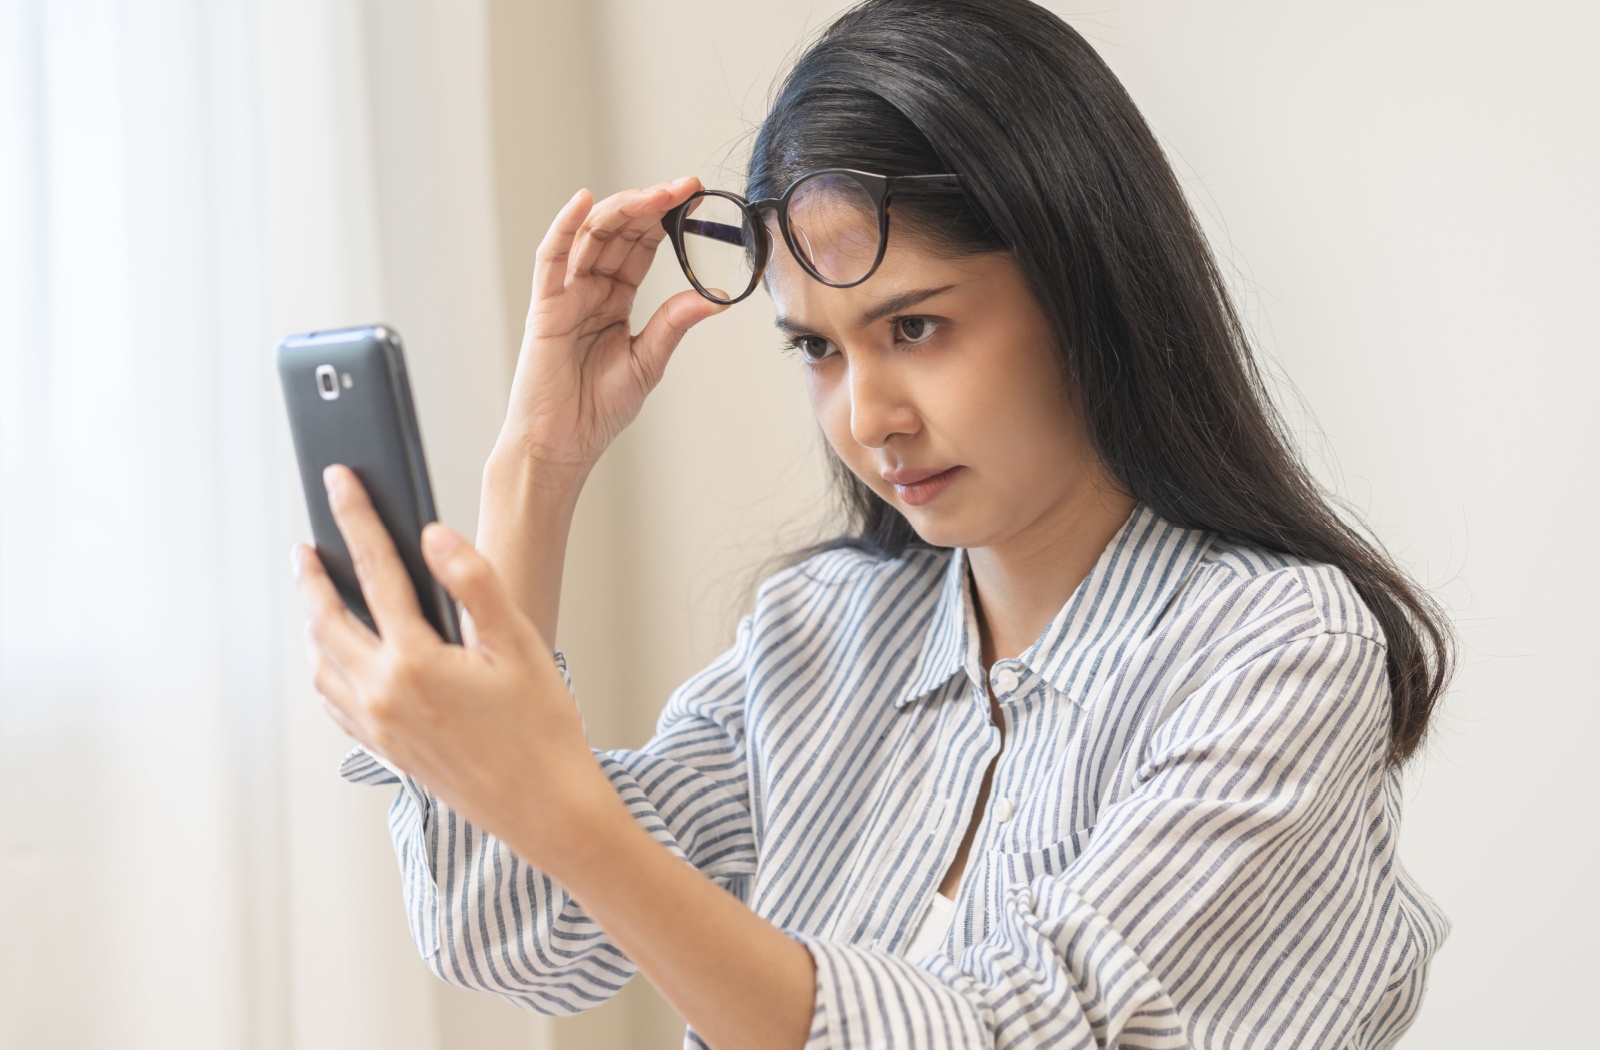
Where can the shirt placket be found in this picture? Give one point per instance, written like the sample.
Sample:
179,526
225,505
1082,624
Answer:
940,815
1012,684
960,812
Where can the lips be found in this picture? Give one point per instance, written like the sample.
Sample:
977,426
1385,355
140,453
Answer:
917,487
908,476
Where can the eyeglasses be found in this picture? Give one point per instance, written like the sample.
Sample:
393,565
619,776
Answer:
835,222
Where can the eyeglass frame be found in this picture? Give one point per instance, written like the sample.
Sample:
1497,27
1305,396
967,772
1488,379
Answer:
879,188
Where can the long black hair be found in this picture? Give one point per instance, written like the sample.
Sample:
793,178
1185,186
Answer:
1060,170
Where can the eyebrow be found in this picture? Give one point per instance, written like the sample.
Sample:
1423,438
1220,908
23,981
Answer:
901,302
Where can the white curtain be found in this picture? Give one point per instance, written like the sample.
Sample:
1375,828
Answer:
180,184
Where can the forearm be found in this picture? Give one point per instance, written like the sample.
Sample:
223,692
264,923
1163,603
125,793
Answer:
524,520
737,979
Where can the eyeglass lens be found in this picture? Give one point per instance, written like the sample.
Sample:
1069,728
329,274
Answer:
833,223
719,245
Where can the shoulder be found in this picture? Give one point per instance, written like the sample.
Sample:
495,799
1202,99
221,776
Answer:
1262,649
1245,584
846,597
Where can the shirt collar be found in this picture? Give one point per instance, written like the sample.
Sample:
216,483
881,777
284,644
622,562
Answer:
1115,606
945,648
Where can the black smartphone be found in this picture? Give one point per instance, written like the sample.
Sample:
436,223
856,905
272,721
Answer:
349,402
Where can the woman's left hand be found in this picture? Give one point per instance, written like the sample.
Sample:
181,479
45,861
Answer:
489,727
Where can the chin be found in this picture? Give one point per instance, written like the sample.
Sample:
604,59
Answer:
943,530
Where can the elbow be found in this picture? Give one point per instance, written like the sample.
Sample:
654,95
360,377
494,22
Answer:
553,972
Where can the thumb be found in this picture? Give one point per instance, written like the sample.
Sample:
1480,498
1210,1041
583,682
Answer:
472,581
667,327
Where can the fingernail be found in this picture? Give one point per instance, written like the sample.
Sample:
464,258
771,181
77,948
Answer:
330,477
441,539
297,557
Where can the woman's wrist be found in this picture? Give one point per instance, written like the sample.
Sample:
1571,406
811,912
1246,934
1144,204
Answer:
524,517
513,471
571,837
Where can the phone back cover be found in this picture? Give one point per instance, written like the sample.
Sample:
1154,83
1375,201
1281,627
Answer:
370,426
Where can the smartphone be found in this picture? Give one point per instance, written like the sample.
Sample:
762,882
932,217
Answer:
349,402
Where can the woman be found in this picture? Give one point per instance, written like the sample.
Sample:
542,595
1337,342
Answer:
1087,732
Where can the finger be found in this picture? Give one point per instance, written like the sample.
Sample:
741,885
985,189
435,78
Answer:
550,263
667,326
391,597
597,231
633,269
332,684
342,702
342,720
337,697
645,223
331,628
619,222
472,581
619,244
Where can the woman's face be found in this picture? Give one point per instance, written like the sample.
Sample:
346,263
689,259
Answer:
940,365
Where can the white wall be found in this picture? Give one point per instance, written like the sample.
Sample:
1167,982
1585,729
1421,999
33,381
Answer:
1406,193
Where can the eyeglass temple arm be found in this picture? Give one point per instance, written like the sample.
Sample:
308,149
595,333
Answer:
928,180
717,231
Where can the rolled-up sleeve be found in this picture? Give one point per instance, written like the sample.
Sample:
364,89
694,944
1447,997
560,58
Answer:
1240,893
483,919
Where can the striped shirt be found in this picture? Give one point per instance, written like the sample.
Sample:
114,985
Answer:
1190,839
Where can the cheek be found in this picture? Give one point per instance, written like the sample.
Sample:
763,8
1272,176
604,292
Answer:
831,405
1015,422
1036,448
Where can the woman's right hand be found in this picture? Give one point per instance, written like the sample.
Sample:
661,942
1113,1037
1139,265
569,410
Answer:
581,375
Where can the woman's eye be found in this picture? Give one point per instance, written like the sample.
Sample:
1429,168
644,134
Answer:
915,329
812,348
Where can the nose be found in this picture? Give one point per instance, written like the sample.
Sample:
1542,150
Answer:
879,406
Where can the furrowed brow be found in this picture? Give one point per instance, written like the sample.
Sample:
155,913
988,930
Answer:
887,308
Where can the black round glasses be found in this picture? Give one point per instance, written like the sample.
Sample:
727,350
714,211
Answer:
834,221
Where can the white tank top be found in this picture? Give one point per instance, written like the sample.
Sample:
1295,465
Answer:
930,932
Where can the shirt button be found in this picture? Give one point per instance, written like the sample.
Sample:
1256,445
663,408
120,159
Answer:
1003,809
1005,680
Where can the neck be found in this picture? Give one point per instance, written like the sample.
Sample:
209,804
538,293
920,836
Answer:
1021,583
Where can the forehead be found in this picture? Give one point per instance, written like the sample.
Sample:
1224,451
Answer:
909,264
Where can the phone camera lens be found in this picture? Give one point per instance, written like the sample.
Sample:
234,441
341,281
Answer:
327,382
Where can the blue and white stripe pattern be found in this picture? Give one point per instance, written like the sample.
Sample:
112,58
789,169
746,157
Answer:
1190,839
